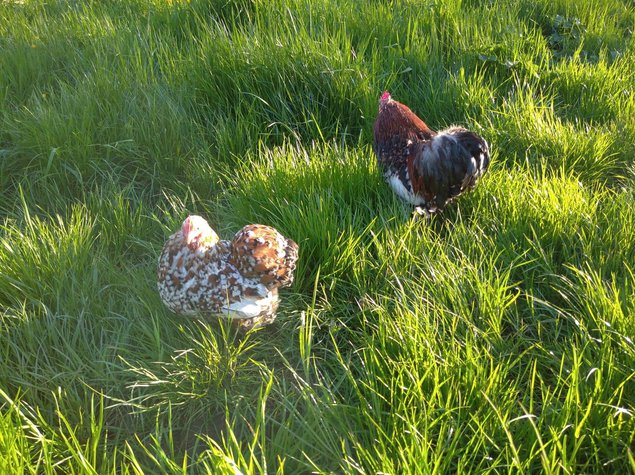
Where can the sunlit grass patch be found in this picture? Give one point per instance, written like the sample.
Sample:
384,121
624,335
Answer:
494,337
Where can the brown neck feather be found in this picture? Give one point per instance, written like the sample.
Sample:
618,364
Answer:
395,118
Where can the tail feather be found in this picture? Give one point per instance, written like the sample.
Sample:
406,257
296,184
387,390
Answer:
290,259
449,164
261,252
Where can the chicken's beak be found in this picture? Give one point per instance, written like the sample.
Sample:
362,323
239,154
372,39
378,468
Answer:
192,238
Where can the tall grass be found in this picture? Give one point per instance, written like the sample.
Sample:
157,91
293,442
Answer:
496,337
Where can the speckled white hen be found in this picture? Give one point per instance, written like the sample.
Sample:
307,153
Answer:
201,275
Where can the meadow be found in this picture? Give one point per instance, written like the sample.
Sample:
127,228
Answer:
496,337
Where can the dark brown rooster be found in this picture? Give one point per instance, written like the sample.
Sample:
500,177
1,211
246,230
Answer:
424,168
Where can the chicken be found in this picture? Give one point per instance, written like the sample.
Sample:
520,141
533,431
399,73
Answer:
199,274
424,168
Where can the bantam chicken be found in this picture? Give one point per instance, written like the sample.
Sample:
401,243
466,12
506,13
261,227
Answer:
201,275
424,168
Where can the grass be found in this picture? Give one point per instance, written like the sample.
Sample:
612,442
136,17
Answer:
496,337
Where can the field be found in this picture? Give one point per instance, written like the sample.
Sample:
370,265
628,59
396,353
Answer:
496,337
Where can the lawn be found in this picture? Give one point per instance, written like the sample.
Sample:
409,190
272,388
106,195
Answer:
496,337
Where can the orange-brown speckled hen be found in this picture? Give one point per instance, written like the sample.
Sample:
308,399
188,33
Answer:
198,274
424,168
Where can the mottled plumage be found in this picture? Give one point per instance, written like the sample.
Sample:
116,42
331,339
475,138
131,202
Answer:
198,274
425,168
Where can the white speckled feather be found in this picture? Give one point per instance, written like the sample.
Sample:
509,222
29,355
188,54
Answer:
236,279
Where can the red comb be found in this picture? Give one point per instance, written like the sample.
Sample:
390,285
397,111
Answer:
385,96
187,225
